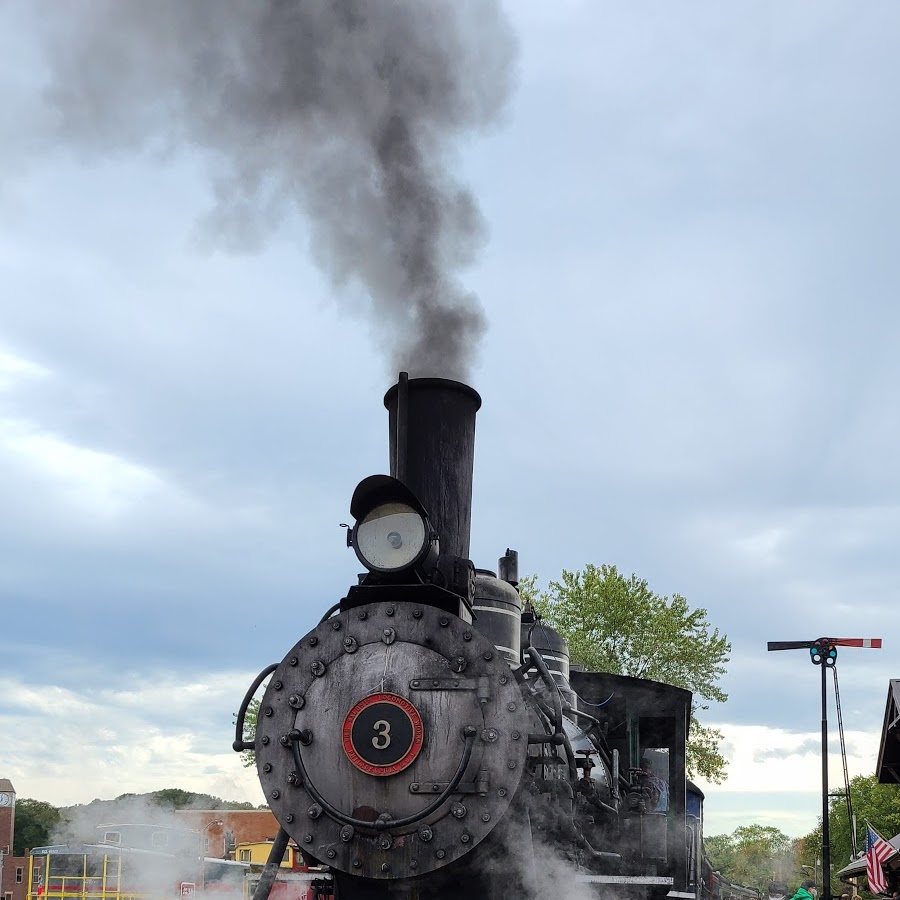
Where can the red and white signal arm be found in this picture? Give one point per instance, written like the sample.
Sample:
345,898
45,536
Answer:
869,643
188,888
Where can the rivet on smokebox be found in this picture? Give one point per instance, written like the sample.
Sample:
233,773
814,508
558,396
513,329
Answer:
425,834
385,842
336,625
293,778
467,635
289,818
417,614
275,794
485,817
314,811
330,853
363,615
511,764
388,635
317,668
350,645
390,610
385,867
465,838
444,622
414,864
267,767
488,655
297,701
356,863
511,707
266,740
503,679
457,810
501,792
347,833
440,854
307,838
268,711
277,685
293,661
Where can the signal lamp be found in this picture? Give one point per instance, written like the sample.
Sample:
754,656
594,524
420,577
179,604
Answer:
392,532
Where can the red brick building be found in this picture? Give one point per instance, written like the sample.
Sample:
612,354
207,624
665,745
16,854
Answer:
223,829
14,870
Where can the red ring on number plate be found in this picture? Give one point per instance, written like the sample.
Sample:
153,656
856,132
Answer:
415,741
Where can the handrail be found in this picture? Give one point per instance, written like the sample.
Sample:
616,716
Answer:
382,822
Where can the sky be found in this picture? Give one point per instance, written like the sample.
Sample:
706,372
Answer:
688,371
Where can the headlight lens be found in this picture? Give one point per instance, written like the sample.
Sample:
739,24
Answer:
390,537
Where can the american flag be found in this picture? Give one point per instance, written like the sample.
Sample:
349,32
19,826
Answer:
878,851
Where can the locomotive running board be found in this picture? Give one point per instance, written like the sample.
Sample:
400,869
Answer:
631,879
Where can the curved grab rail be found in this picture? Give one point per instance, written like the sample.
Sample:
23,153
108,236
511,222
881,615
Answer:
382,822
239,742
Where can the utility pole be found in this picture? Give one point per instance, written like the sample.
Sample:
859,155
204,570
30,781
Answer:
823,652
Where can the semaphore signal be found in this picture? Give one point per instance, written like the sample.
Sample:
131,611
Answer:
823,652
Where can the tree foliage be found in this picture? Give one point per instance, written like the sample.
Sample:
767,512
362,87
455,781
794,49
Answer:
876,803
754,856
36,822
619,625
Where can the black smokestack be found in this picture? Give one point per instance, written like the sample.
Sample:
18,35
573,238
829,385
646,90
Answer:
432,444
346,110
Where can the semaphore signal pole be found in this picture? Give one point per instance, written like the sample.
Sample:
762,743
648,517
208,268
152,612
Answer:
823,652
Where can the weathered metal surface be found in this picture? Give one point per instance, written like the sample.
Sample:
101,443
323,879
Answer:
498,612
436,450
342,809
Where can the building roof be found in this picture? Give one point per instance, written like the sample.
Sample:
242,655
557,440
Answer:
858,866
7,786
888,768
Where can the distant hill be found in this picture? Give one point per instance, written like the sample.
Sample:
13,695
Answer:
167,799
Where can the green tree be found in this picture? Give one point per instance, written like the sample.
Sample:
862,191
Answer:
876,803
754,856
36,822
619,625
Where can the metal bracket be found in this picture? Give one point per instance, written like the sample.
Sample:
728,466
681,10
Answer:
481,785
444,684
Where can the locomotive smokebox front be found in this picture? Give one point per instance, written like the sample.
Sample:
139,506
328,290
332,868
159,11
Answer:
392,738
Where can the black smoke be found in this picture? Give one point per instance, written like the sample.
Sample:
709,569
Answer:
346,110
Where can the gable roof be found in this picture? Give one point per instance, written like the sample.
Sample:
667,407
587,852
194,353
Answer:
888,767
858,866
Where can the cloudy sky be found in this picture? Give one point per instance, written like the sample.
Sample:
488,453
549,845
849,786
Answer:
688,371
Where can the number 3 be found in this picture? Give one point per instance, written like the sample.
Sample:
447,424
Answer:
382,737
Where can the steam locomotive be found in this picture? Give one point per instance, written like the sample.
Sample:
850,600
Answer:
430,736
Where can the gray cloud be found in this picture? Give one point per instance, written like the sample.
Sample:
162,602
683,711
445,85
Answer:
348,112
690,370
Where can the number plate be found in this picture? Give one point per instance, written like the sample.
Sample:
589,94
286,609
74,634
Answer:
383,734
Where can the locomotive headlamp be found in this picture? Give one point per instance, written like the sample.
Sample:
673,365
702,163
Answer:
391,531
391,537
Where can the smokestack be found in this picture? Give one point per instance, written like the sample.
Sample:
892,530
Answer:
432,446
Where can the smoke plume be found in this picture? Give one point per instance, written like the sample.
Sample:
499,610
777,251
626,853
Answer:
346,110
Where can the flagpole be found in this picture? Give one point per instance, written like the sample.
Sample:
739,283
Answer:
826,832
